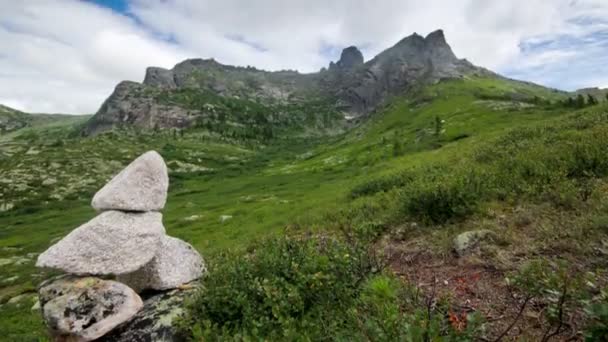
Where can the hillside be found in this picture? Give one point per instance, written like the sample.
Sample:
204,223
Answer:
351,231
12,120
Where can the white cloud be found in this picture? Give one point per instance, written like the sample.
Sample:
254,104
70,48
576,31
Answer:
67,55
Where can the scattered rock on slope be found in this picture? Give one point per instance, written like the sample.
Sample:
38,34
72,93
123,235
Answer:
464,243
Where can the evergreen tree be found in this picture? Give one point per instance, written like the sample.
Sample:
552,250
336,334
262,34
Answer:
438,126
591,100
580,101
397,148
570,102
606,96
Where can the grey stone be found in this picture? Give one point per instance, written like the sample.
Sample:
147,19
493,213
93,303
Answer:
176,263
36,305
141,186
19,298
156,321
467,241
84,309
112,243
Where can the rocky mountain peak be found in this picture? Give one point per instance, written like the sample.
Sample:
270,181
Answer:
350,58
436,38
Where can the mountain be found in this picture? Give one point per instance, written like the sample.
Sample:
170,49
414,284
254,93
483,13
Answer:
413,196
199,92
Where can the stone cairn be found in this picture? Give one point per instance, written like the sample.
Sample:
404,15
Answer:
116,255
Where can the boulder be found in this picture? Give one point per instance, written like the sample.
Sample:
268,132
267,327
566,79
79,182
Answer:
84,309
112,243
141,186
176,263
467,241
156,321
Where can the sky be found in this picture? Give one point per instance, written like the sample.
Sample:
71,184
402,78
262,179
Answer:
66,56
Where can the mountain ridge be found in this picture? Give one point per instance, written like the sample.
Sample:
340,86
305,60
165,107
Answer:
350,88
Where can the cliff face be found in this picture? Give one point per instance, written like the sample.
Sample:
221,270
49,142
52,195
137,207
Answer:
348,87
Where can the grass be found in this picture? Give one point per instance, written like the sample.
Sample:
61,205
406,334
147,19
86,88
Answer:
492,145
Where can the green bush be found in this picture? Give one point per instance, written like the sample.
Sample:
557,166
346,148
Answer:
445,197
286,288
313,289
597,328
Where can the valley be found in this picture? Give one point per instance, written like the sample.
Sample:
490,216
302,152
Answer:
403,176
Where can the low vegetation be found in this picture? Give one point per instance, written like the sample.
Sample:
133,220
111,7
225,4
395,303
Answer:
349,237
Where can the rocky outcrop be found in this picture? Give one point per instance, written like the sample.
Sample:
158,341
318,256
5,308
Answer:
135,105
413,61
141,186
84,309
127,241
351,86
160,77
350,58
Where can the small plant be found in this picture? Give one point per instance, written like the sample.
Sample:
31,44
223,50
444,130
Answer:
597,311
438,126
557,287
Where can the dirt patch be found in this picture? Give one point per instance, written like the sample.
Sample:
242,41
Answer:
475,284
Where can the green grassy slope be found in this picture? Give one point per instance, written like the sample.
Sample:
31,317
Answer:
225,194
13,120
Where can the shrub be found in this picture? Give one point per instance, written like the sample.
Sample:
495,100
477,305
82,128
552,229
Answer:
287,287
597,328
384,183
445,197
315,289
557,287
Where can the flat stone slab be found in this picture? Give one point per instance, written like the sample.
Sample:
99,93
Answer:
112,243
176,263
84,309
141,186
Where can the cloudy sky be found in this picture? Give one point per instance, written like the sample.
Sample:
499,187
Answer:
67,55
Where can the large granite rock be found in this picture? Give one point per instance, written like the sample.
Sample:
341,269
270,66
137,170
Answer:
156,321
141,186
112,243
176,263
84,309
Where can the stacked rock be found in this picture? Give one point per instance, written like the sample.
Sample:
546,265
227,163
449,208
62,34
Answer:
126,241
